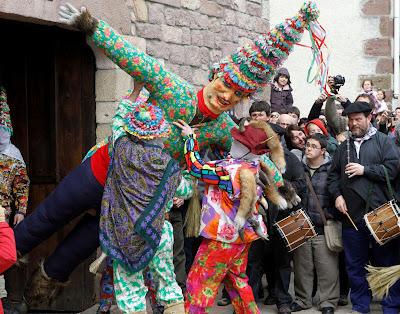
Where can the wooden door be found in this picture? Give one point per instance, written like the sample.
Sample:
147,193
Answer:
49,76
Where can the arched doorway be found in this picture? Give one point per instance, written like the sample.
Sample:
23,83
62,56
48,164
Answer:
49,74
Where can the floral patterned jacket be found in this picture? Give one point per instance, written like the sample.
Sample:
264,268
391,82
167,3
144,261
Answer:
221,198
14,185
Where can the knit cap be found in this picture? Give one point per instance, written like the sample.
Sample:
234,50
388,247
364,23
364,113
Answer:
5,119
146,121
251,67
319,123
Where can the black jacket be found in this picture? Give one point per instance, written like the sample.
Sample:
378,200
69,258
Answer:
377,151
320,186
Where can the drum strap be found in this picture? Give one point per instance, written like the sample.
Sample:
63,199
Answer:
389,186
314,195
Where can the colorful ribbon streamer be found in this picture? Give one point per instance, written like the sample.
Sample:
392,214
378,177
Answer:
318,70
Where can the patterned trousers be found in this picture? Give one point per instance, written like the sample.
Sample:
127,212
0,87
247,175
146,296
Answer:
130,288
215,263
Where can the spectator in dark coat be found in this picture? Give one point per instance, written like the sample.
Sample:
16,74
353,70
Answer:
281,92
358,187
314,254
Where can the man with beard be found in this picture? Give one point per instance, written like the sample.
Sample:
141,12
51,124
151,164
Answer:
358,187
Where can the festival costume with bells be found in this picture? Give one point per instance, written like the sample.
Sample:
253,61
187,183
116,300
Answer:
249,69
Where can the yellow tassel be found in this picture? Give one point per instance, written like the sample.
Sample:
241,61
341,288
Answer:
193,215
381,279
94,267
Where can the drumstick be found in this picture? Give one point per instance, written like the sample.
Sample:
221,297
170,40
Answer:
351,220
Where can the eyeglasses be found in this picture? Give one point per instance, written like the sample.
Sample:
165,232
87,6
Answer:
274,115
313,146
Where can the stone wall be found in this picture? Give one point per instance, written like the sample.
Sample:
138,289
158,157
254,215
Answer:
190,35
380,48
359,40
186,35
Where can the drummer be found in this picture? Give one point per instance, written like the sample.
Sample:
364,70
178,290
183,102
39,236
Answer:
359,187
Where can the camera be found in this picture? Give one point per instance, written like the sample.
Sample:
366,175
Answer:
338,82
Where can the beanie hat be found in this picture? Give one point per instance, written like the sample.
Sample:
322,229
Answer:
319,123
5,120
251,67
146,121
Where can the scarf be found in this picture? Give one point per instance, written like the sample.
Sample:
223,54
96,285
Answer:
142,178
202,106
359,140
7,148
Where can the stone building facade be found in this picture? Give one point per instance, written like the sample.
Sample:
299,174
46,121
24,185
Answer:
186,35
380,48
360,39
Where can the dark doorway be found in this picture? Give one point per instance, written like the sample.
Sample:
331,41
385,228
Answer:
49,76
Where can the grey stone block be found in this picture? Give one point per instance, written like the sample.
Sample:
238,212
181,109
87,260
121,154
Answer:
150,31
156,13
171,34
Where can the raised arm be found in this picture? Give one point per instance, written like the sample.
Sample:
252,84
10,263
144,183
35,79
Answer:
129,58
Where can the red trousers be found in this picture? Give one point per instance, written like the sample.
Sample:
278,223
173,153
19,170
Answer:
215,263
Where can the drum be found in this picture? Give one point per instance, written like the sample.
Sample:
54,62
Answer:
384,222
296,229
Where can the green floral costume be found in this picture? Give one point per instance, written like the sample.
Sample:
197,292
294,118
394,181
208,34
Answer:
175,96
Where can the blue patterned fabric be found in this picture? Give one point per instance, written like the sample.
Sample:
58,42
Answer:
141,180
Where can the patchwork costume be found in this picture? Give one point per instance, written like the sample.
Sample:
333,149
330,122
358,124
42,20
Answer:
246,70
222,256
14,181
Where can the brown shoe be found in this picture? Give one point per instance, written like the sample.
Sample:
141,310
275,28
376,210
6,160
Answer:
41,289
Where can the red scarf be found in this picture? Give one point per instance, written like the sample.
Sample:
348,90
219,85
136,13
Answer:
203,108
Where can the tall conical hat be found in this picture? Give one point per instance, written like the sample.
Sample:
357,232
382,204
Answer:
5,119
251,67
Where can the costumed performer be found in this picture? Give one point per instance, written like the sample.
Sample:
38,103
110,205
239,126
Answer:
141,183
14,180
232,79
222,255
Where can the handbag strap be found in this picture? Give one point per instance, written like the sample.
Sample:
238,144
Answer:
389,186
310,187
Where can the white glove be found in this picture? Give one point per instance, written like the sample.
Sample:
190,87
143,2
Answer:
68,13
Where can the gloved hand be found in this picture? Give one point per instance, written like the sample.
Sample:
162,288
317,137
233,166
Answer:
69,14
80,19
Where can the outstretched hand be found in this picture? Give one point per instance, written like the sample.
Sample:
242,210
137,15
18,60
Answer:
186,129
68,13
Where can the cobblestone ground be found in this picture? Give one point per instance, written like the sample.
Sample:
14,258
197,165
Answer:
375,309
